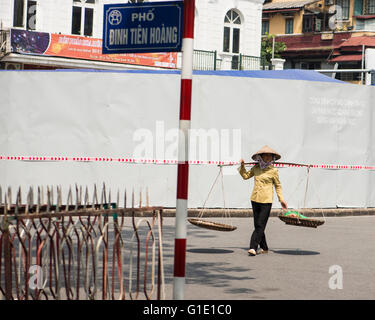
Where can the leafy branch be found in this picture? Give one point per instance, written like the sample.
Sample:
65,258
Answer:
266,48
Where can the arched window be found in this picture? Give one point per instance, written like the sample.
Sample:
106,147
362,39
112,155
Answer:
232,27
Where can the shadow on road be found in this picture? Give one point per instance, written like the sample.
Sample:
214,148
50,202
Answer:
210,250
217,274
296,252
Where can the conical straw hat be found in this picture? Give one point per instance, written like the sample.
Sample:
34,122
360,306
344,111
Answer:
266,149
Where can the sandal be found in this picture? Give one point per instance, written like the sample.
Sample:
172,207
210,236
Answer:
252,252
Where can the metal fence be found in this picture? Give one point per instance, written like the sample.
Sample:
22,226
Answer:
205,60
208,60
80,250
3,41
251,62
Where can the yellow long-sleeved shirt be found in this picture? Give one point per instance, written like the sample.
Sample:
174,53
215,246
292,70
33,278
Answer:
264,180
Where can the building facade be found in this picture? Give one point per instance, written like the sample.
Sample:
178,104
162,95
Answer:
323,34
227,32
231,28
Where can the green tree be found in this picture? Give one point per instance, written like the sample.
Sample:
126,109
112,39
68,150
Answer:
266,48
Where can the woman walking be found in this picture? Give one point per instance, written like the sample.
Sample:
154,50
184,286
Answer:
265,177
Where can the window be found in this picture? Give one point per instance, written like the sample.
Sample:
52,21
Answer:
31,15
76,21
18,13
265,27
370,6
83,17
311,65
358,7
226,39
307,23
232,28
236,41
343,6
318,24
289,25
24,14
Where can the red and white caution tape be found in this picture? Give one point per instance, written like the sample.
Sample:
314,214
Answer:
173,161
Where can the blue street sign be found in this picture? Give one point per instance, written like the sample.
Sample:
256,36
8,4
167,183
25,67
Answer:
143,27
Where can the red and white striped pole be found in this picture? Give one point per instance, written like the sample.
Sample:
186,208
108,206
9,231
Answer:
183,149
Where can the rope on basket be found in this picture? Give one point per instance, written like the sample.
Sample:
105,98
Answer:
296,218
203,223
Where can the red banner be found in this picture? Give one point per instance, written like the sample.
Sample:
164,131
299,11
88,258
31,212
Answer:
78,47
91,49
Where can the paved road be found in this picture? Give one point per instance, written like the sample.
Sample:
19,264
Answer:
297,266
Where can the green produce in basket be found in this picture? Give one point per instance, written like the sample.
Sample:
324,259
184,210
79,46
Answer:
294,214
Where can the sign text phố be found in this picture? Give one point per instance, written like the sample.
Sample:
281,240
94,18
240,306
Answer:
145,27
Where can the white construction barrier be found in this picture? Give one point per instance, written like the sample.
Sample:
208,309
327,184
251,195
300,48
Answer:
67,127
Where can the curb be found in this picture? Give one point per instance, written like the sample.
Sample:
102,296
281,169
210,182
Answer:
244,213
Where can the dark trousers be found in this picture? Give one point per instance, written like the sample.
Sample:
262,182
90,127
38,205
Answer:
261,212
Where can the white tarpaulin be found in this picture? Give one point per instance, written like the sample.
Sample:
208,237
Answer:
134,115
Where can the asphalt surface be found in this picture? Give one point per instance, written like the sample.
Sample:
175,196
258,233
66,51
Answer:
334,261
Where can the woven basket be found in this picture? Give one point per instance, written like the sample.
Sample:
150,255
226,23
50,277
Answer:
301,222
211,225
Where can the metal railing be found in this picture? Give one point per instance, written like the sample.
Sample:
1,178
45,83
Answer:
204,60
349,74
208,60
81,250
3,41
251,63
